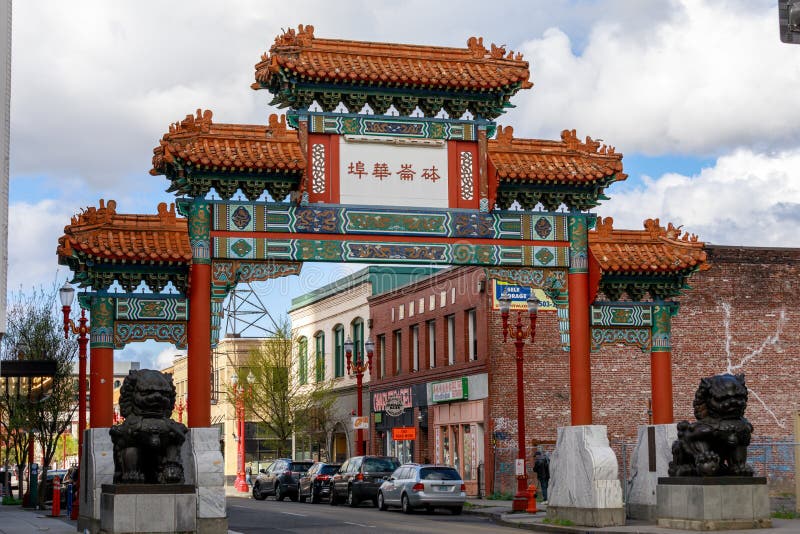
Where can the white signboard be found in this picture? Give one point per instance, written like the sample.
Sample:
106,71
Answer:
393,172
519,467
361,422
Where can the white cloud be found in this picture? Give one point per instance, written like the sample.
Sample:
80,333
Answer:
746,198
711,77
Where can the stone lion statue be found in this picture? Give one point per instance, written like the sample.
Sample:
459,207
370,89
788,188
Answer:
715,445
147,445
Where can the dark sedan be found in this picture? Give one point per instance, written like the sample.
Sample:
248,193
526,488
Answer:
315,483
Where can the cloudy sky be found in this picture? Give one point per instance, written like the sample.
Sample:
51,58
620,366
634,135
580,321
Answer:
696,94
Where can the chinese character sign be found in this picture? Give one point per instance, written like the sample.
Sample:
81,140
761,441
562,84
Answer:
394,175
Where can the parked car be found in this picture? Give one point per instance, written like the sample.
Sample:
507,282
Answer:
47,485
360,477
280,479
316,482
423,486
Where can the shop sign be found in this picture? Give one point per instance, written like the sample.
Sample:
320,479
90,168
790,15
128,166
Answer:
380,398
404,433
361,423
394,406
519,296
450,390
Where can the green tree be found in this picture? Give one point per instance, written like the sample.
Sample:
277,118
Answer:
35,331
275,400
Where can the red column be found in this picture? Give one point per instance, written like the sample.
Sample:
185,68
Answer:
359,411
199,353
101,387
661,363
661,386
580,367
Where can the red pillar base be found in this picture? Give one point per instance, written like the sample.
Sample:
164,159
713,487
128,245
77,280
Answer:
241,484
520,502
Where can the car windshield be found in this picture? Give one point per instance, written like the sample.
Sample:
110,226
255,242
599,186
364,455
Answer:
329,469
380,464
438,473
301,468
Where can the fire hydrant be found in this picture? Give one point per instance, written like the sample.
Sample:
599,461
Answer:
531,499
56,496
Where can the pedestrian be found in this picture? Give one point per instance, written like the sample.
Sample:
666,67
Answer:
541,466
248,472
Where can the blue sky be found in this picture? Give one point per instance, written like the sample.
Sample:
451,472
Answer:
700,97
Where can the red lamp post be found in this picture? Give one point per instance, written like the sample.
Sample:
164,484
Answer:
356,368
519,333
240,391
181,407
67,295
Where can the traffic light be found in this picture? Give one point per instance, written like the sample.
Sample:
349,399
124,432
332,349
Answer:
789,20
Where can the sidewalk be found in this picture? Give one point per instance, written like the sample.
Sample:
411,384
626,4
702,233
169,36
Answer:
500,512
17,520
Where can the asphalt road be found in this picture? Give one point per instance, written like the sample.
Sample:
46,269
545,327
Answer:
248,515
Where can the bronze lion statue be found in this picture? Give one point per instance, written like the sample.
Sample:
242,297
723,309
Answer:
147,445
715,445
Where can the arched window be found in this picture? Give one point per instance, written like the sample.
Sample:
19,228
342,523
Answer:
357,327
319,356
338,351
302,360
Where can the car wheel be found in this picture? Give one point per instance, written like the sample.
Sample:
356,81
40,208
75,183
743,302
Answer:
257,495
405,505
333,502
456,510
381,503
314,496
279,496
294,496
351,499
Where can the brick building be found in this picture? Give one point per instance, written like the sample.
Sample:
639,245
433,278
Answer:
740,316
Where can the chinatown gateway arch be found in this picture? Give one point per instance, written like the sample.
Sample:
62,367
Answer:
353,183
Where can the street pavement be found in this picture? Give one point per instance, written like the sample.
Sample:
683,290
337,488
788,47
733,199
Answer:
249,516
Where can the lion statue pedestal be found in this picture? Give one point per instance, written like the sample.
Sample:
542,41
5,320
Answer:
150,474
710,486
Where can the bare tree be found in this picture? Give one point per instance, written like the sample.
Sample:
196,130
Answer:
35,331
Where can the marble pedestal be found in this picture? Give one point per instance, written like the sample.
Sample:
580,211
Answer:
650,460
202,466
148,509
713,503
584,485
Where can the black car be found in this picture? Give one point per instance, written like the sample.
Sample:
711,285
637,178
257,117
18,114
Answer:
360,477
280,479
316,482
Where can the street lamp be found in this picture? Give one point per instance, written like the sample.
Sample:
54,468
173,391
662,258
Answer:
356,368
67,295
239,393
519,333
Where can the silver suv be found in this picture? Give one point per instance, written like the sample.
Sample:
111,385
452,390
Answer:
423,486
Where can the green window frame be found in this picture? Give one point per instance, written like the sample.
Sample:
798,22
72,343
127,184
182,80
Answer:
319,356
338,351
358,340
302,357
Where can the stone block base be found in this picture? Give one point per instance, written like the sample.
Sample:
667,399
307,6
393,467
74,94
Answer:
588,517
649,462
152,509
212,525
713,503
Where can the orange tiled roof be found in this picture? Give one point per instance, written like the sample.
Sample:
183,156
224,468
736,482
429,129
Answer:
474,68
654,250
104,234
565,161
199,142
